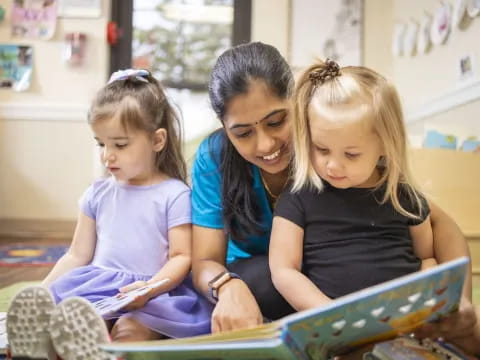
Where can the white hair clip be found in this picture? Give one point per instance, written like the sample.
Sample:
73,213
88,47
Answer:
139,74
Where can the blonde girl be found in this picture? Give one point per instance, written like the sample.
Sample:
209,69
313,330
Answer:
353,217
134,228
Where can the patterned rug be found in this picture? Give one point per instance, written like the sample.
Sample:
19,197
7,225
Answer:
23,254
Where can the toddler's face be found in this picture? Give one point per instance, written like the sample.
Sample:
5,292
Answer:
344,153
128,155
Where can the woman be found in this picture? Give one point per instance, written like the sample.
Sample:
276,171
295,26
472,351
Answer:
237,176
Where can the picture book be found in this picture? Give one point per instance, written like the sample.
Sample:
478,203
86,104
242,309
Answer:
113,304
375,314
405,348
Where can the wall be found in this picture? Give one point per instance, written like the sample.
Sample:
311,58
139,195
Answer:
46,149
270,23
377,30
429,83
47,156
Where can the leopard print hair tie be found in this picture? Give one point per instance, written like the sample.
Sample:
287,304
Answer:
329,71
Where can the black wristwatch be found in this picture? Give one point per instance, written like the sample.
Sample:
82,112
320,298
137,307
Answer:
219,280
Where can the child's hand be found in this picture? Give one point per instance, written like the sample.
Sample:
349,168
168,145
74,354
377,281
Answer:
140,300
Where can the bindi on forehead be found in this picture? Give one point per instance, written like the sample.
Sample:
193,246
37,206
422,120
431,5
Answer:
256,122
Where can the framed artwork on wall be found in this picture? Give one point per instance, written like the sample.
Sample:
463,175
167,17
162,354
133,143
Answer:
325,29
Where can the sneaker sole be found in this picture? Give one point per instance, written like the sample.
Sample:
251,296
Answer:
28,319
77,330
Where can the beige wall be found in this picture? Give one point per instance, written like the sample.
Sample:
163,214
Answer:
377,30
270,23
46,150
428,82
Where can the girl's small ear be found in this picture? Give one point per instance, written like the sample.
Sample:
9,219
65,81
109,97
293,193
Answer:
159,139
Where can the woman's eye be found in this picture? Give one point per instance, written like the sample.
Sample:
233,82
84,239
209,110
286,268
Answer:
279,122
100,145
322,150
352,156
121,146
245,134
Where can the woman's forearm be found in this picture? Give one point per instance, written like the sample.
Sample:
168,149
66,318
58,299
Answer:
203,271
449,242
208,256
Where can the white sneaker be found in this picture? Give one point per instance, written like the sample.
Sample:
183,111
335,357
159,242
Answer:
28,318
77,330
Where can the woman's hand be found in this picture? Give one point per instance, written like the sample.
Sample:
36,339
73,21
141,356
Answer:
236,308
461,328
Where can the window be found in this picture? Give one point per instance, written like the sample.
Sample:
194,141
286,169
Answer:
178,40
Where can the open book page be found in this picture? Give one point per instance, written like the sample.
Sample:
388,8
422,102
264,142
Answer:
379,312
376,313
113,304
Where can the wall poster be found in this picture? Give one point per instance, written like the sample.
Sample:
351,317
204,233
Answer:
15,67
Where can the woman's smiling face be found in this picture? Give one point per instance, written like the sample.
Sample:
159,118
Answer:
257,125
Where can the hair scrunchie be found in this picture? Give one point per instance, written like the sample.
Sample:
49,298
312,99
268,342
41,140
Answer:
329,71
138,74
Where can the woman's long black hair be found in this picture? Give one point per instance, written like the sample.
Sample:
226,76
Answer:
232,75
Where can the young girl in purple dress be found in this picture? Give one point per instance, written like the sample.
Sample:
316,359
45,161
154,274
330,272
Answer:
134,228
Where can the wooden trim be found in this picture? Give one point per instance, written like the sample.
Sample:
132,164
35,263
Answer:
43,111
36,228
464,94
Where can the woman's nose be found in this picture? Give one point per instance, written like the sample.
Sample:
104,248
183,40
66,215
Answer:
265,142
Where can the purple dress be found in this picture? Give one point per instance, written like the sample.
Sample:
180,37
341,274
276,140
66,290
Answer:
132,224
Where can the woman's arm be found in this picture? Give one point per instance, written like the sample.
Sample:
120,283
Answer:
285,259
422,238
80,252
449,242
462,327
236,307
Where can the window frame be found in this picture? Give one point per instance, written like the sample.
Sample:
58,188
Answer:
121,52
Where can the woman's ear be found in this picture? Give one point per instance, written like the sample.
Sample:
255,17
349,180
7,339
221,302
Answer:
159,139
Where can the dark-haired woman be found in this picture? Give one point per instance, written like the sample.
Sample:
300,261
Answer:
238,174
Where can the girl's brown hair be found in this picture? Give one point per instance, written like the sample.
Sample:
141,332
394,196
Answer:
140,103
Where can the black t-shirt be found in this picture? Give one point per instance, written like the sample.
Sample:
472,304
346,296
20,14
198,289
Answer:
351,241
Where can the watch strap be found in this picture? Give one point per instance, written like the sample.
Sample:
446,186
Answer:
213,291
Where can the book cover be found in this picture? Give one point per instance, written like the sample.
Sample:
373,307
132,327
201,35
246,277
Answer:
374,314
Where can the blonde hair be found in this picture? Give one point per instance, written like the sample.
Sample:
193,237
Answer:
141,104
357,86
